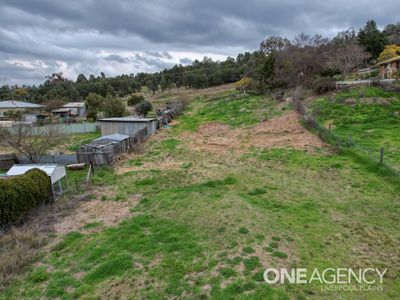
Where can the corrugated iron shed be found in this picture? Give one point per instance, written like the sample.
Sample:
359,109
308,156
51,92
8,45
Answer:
113,137
74,104
11,104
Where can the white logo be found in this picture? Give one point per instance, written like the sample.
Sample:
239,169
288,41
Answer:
351,279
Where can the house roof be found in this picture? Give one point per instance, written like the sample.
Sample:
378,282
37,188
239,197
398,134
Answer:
61,110
388,60
113,137
54,171
11,104
74,104
127,119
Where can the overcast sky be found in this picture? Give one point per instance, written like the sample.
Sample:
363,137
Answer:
39,37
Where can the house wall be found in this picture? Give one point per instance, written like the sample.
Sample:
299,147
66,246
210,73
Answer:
386,71
382,71
82,112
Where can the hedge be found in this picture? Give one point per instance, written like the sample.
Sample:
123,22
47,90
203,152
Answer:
20,194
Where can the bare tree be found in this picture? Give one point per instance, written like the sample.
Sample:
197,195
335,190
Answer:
346,53
345,57
31,141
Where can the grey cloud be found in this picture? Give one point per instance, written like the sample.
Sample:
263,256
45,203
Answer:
78,32
117,58
185,61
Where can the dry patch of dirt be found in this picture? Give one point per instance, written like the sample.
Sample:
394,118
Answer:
284,131
106,212
280,132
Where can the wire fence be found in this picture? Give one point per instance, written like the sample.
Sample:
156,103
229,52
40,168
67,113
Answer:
372,155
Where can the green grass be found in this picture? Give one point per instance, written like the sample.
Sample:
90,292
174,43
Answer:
75,141
230,110
372,121
209,230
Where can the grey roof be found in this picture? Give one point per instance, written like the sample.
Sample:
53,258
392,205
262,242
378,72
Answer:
61,110
127,119
11,104
74,104
113,137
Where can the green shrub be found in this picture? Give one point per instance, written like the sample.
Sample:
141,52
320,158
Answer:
135,99
19,195
143,108
322,85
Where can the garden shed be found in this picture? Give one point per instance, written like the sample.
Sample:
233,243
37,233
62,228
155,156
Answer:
54,171
128,125
123,140
97,153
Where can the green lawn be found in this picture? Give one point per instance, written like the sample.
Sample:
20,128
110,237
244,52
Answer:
230,110
371,116
210,225
74,141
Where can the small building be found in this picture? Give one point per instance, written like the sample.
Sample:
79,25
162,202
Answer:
123,141
54,171
98,153
128,125
389,67
71,110
62,113
32,110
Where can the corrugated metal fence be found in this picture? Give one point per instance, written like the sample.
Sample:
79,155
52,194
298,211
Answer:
66,128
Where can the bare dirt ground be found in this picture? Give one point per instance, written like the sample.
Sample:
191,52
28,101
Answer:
106,212
280,132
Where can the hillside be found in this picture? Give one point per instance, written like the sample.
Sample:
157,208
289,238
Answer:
236,185
369,115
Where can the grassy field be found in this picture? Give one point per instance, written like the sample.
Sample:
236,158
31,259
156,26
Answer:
74,141
212,217
370,115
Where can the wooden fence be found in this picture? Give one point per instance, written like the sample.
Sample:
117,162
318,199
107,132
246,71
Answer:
7,161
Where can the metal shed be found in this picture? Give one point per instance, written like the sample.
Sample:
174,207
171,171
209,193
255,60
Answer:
121,139
55,172
127,125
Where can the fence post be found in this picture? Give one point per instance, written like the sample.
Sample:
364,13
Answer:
330,128
91,166
350,139
381,158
